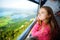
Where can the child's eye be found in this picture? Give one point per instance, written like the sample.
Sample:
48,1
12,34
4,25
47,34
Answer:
42,12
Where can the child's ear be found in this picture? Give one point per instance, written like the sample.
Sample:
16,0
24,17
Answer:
49,16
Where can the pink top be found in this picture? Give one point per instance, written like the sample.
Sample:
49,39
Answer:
40,32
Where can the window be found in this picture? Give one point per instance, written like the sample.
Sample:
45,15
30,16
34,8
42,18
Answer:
15,17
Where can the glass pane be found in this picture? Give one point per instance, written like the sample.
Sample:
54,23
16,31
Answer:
15,17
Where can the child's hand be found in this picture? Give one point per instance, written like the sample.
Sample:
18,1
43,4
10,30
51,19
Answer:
37,18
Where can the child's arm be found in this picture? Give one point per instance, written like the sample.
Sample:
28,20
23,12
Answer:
42,32
35,29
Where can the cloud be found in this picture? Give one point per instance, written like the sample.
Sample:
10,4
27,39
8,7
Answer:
19,4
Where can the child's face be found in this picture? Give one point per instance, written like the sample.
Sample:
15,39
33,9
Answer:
42,14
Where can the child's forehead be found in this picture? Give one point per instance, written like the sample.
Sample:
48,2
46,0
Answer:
42,9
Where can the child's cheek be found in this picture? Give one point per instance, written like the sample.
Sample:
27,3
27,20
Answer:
42,16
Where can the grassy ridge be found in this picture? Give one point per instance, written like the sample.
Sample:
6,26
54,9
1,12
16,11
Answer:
10,30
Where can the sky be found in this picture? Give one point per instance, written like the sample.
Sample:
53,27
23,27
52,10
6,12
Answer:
17,4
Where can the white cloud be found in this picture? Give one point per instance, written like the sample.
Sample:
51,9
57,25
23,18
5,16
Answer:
18,4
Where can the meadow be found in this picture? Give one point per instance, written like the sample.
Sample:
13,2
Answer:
10,28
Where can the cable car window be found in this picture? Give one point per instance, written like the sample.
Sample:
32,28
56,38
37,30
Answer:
15,17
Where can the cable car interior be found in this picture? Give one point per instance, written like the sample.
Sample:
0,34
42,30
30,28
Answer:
10,23
40,3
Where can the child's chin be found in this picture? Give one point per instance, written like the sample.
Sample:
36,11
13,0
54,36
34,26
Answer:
40,18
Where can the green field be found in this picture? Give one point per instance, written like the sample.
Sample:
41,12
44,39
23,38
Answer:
11,29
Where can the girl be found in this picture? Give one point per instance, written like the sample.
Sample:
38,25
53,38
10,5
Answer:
46,25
